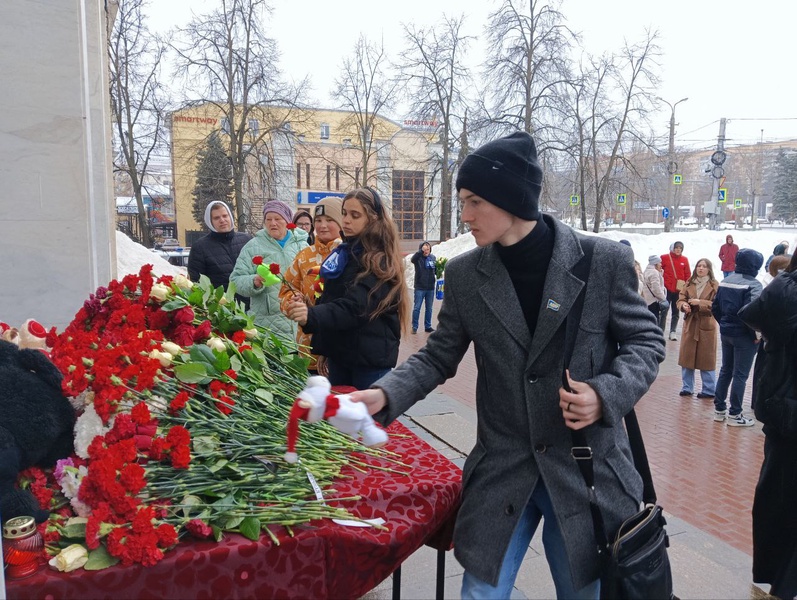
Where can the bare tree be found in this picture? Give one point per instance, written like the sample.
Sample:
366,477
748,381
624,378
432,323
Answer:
366,90
528,48
137,100
434,76
227,61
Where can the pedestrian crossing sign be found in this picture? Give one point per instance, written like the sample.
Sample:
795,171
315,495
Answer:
677,179
722,195
621,199
737,203
574,200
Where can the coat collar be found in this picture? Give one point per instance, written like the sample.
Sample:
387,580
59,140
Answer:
559,292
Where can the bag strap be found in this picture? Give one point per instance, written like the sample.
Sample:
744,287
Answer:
581,451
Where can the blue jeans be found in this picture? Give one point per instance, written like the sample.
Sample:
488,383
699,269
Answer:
539,506
738,353
688,379
420,297
359,377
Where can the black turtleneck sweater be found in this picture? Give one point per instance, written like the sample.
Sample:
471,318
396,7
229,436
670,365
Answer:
527,265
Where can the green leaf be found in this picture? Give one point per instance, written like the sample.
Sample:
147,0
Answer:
175,304
195,297
75,528
264,395
188,502
205,444
227,522
227,502
191,372
250,528
100,559
222,362
202,353
235,362
218,533
218,465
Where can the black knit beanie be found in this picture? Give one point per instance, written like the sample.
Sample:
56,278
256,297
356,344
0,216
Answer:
505,172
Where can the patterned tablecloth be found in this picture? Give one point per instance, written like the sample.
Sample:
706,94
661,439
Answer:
322,560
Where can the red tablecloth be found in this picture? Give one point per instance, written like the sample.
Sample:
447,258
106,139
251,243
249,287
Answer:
323,560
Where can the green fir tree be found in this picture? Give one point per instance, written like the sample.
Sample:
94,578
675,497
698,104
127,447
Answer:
213,177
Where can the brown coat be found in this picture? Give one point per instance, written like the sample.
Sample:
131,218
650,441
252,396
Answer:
699,337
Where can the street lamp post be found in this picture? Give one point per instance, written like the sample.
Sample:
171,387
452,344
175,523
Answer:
671,159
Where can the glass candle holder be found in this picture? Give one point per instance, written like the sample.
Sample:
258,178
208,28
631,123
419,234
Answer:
22,547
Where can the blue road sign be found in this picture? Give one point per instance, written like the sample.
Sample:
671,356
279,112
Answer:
665,212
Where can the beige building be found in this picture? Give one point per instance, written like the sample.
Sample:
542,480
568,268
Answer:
300,156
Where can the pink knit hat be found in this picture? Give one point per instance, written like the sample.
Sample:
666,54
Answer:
280,208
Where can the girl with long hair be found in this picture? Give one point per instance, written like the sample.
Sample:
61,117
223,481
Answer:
699,337
356,324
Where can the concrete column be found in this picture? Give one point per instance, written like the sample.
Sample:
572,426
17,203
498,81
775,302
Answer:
57,216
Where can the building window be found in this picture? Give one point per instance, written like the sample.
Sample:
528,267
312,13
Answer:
329,177
408,204
298,175
324,131
307,174
337,178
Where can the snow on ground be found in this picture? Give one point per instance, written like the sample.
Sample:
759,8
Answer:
698,244
130,257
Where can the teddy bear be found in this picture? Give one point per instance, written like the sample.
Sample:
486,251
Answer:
316,401
36,423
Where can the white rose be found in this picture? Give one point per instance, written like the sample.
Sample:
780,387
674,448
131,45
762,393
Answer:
70,558
160,292
171,348
182,282
216,344
250,333
164,357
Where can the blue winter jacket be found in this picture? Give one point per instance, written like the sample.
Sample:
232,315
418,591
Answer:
737,291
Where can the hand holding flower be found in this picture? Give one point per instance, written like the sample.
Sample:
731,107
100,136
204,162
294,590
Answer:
297,311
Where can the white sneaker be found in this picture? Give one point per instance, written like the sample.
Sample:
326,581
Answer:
739,421
720,415
673,337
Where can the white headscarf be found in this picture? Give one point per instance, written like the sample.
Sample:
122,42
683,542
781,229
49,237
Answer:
210,206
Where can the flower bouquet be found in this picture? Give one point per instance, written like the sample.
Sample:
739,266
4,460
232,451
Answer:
439,267
183,404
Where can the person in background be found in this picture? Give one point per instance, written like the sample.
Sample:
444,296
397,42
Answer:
278,242
214,254
303,220
424,262
676,272
510,297
739,342
728,256
774,314
699,335
358,320
654,292
776,266
303,274
781,249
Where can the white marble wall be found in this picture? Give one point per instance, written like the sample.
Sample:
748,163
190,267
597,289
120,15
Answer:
57,241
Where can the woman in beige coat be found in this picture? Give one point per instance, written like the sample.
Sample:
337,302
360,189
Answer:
699,337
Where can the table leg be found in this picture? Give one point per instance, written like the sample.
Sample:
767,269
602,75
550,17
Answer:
441,574
397,583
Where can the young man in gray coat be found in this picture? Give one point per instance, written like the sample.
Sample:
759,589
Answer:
510,297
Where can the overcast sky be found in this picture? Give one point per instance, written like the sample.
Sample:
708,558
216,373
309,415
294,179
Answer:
731,59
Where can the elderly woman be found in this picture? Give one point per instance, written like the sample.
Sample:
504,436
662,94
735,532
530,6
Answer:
275,243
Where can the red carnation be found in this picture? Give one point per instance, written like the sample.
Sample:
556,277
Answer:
274,268
141,414
257,260
239,337
199,529
291,225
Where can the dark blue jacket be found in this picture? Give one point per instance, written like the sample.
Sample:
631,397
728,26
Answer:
424,269
737,291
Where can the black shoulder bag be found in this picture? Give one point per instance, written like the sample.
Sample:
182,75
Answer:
634,562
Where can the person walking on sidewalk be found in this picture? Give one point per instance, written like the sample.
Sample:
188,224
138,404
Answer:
727,255
653,289
423,260
510,297
774,314
699,335
739,342
676,272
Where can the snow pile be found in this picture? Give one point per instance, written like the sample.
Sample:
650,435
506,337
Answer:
697,244
130,257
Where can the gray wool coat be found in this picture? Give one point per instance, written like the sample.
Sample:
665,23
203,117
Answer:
521,433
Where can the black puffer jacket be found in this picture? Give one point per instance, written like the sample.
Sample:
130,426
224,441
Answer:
214,255
774,314
341,327
424,269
